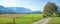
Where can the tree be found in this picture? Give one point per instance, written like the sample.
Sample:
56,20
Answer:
50,9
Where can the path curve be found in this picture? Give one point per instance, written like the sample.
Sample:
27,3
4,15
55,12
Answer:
42,21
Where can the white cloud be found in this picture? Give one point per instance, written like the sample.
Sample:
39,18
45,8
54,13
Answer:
29,4
8,3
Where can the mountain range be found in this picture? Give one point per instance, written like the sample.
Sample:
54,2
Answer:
15,10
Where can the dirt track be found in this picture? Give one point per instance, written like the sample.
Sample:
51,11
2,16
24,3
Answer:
42,21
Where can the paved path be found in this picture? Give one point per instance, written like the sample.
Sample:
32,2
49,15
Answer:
42,21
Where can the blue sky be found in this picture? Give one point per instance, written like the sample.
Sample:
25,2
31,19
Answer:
29,4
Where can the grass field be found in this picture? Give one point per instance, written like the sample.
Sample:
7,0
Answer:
10,15
25,19
55,20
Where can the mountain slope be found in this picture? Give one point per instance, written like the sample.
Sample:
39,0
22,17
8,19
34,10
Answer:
22,10
13,10
16,10
5,10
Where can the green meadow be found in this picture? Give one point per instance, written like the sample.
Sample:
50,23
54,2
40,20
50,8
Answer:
26,19
55,20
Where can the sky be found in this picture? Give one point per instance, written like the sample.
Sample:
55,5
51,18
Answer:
34,5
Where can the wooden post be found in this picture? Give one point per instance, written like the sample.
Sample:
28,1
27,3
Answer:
14,20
